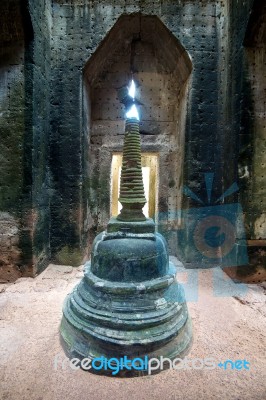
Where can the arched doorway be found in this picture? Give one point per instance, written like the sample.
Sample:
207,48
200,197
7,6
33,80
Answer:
161,67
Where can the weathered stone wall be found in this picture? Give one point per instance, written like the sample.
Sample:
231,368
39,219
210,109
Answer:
38,111
78,29
9,248
252,160
61,120
212,33
24,200
12,126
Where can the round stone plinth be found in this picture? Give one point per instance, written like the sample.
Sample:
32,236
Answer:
125,319
129,257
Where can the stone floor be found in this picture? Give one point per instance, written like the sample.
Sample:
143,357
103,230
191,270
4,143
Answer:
227,325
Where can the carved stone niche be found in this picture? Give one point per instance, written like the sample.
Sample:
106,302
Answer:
161,69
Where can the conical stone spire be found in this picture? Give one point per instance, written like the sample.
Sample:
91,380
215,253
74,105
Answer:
132,195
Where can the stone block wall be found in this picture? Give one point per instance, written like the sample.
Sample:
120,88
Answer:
24,143
252,157
12,125
61,120
9,249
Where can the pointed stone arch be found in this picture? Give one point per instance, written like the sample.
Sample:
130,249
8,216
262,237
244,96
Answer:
161,68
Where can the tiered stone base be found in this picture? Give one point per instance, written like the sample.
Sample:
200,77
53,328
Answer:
117,319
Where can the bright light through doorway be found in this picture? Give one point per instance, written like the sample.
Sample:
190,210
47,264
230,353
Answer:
149,162
146,182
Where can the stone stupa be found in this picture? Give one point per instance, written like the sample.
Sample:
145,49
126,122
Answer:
128,302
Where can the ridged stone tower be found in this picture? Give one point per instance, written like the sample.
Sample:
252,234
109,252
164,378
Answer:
129,302
132,195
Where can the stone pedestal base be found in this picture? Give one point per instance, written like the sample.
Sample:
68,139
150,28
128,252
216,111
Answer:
116,319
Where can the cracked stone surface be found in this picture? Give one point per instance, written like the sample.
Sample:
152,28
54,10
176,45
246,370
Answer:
230,327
